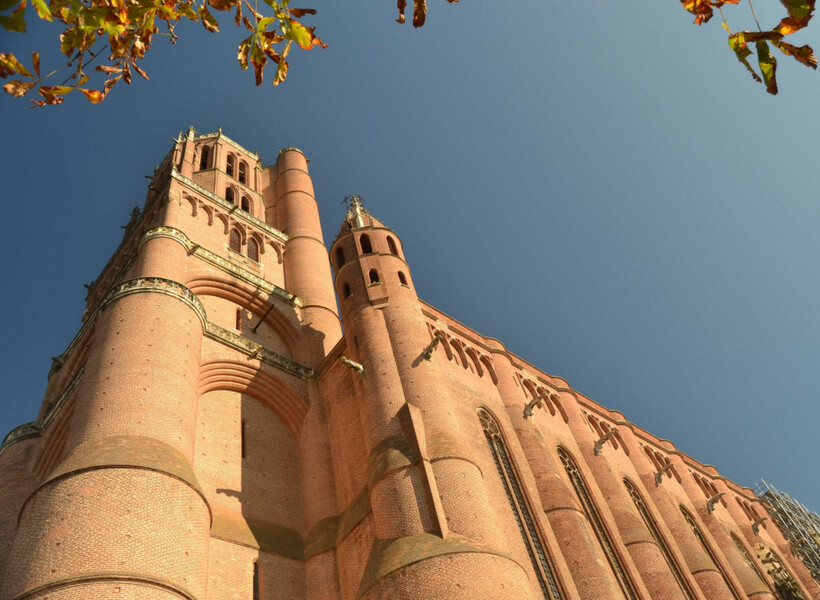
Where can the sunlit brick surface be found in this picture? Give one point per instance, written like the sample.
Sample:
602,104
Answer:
211,434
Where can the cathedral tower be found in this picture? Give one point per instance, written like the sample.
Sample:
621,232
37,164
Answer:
217,431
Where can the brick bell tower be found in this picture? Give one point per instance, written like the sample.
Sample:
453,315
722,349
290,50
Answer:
139,462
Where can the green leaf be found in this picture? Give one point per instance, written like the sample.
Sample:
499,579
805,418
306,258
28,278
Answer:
112,28
43,11
263,24
258,60
301,35
17,21
768,65
737,42
798,9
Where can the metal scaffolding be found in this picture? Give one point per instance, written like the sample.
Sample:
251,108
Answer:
800,525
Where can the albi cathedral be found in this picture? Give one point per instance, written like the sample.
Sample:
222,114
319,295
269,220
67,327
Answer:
245,415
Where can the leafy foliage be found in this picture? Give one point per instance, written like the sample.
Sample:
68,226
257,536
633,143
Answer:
124,31
799,15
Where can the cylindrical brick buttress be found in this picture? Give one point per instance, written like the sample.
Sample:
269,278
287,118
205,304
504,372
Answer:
123,512
413,491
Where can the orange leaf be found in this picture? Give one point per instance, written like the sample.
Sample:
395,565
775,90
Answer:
419,12
401,5
301,12
94,96
803,54
137,68
208,20
107,69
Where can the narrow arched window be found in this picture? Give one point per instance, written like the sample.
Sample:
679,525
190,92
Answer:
229,195
346,290
374,276
537,551
708,549
364,242
402,278
651,525
597,525
746,557
253,250
239,323
235,241
230,165
391,245
243,172
204,158
246,205
340,258
257,591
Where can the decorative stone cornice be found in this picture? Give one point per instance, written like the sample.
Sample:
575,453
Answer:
252,349
21,432
158,285
280,236
224,138
221,263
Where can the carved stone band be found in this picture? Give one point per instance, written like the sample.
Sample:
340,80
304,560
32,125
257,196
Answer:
161,286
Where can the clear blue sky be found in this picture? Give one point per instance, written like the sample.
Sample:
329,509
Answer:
599,185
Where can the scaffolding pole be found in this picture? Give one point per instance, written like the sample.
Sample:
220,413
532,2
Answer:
800,525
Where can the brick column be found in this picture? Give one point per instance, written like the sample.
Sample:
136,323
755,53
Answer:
125,498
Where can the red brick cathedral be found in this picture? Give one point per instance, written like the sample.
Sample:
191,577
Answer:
218,431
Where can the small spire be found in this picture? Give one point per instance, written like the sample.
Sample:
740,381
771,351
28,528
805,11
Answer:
355,211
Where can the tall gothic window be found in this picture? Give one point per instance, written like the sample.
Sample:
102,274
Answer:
204,158
597,525
699,535
747,558
521,511
656,534
230,165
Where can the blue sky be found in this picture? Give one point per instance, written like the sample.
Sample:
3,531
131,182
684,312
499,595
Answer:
601,186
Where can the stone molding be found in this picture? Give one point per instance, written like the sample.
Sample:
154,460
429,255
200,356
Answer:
252,349
91,578
223,264
21,432
275,233
158,285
